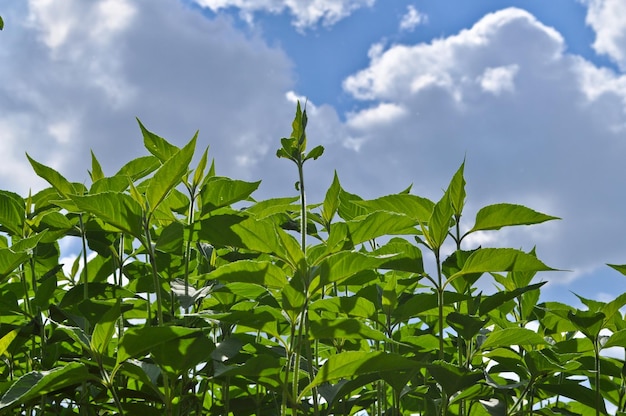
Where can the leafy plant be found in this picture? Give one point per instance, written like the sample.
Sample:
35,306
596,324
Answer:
191,297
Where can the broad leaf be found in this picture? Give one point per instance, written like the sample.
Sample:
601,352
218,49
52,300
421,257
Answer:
137,342
412,206
117,209
378,224
105,328
220,192
262,273
453,379
38,383
487,260
54,178
12,213
331,200
494,217
169,175
512,336
156,145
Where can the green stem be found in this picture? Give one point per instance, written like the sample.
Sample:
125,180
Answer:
440,301
155,273
83,239
596,351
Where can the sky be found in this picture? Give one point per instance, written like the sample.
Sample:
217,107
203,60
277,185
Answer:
531,94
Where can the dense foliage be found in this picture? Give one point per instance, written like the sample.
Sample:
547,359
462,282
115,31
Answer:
191,297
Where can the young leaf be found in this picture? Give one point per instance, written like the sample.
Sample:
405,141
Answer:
331,201
139,168
96,170
378,224
54,178
169,175
439,222
494,217
198,174
316,152
456,190
413,206
156,145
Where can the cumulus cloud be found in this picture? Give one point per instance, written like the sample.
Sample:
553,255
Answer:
305,13
75,75
412,18
607,18
537,126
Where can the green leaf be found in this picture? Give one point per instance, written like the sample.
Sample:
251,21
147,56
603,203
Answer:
96,169
590,323
348,364
262,273
512,336
439,222
7,339
378,224
105,328
493,260
576,392
137,342
38,383
54,178
415,207
390,297
453,379
156,145
179,355
344,328
456,190
1,23
494,217
169,175
12,213
340,266
198,174
466,326
331,200
355,306
617,339
498,299
139,168
220,192
619,267
115,208
316,152
406,257
10,261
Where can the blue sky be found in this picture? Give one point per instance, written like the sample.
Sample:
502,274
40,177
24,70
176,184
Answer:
531,93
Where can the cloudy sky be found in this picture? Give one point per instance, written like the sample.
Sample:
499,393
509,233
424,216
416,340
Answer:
531,93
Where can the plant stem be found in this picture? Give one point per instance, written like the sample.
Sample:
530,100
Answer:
440,301
83,239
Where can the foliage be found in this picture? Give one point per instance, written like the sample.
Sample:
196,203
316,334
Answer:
191,297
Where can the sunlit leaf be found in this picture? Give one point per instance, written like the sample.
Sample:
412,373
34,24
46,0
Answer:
105,328
262,273
331,200
220,192
54,178
12,213
494,217
117,209
512,336
157,145
169,175
378,224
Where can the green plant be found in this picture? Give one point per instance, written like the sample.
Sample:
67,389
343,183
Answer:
191,297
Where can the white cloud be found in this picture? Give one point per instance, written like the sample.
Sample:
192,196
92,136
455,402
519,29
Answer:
499,79
306,14
383,113
76,75
608,19
412,18
553,145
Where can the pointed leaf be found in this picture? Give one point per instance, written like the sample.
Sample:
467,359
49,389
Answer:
316,152
456,190
12,213
198,174
355,363
494,217
466,326
96,168
415,207
451,378
512,336
7,339
344,328
156,145
117,209
331,200
589,323
54,178
139,168
263,273
139,341
378,224
220,192
38,383
440,222
169,175
487,260
105,328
